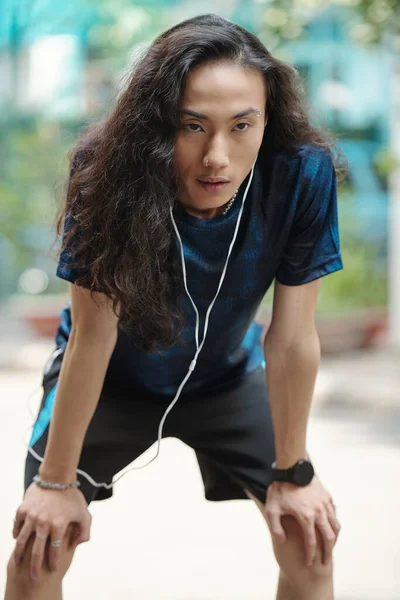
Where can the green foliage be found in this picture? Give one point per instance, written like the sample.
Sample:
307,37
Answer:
33,166
363,281
121,25
360,284
385,163
368,22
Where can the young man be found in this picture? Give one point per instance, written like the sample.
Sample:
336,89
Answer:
204,184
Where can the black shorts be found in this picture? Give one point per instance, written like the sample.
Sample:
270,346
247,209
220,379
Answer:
230,431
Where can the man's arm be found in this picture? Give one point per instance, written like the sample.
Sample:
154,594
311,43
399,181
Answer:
292,354
90,346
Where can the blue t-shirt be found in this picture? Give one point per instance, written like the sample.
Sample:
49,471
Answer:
288,231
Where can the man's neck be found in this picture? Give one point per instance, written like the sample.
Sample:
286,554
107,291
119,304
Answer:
205,214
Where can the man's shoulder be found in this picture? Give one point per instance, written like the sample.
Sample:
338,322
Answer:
306,151
281,180
303,162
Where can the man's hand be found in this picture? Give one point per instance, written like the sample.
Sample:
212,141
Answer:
312,506
48,514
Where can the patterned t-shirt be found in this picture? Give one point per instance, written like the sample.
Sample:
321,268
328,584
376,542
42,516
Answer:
288,231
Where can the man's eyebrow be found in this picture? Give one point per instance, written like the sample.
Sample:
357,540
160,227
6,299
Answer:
243,113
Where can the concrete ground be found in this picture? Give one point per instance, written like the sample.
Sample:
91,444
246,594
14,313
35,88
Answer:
159,539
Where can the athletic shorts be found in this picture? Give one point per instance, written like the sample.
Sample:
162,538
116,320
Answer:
230,431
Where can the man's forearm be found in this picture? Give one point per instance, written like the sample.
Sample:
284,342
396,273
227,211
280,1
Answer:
78,391
291,376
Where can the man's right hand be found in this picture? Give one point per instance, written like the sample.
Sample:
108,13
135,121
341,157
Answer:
48,514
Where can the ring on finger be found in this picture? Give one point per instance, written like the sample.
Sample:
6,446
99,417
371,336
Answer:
56,543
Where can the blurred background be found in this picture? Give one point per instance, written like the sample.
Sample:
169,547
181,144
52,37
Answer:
61,64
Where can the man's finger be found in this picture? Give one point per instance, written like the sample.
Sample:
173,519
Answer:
328,536
22,540
19,520
17,528
334,523
54,552
310,538
275,525
41,535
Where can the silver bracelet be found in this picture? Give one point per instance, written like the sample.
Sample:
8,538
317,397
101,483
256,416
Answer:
55,486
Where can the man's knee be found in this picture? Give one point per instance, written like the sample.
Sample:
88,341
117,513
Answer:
291,555
19,581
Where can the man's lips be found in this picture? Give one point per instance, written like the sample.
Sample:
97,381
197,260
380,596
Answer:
214,179
213,187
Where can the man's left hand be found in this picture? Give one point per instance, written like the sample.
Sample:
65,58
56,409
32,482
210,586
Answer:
312,506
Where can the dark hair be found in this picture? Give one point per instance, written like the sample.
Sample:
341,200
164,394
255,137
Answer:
123,184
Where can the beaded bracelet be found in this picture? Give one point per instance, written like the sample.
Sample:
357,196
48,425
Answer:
55,486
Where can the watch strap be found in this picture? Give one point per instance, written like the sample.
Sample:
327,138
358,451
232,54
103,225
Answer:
281,474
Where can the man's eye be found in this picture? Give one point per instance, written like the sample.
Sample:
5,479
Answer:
246,126
192,127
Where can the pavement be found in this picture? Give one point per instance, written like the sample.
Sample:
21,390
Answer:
159,539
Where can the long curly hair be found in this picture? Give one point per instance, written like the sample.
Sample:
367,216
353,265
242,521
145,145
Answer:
119,237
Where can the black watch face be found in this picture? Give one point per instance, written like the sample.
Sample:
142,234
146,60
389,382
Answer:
303,472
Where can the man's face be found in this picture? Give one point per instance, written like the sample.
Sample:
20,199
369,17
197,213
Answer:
222,120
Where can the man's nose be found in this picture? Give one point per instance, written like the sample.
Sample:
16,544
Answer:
216,156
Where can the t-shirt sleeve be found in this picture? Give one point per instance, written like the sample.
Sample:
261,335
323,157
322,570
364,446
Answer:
313,246
64,270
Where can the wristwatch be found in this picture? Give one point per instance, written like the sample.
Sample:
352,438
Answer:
300,474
